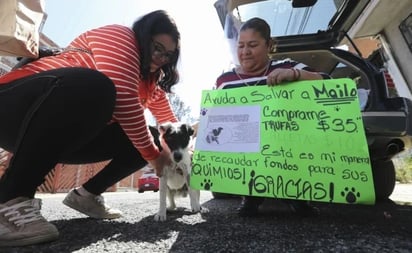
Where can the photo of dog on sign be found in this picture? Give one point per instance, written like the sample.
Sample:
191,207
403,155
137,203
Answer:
218,135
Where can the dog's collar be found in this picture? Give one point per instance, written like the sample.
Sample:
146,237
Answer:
177,169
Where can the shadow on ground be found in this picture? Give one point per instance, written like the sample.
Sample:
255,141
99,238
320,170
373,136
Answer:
340,227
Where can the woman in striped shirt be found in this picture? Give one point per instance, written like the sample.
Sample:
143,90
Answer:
84,105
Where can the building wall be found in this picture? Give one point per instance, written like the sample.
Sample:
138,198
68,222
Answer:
400,50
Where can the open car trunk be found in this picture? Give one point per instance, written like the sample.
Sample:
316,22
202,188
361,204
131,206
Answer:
311,34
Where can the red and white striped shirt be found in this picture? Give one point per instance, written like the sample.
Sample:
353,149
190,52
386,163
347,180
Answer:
230,79
114,52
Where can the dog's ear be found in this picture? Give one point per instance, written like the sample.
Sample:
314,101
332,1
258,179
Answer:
188,129
155,133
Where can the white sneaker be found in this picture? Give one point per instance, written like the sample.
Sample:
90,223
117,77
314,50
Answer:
21,223
92,206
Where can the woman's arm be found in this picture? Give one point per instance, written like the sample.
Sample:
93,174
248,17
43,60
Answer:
281,75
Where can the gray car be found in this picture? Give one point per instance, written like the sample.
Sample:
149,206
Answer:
311,32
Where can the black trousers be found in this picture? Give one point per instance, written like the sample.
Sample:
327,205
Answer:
61,116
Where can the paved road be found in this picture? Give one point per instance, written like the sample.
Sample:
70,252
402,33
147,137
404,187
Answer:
386,227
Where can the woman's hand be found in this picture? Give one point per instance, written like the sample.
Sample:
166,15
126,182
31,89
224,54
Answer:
195,127
281,75
160,162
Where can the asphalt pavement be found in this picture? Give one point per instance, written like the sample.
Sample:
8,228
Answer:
385,227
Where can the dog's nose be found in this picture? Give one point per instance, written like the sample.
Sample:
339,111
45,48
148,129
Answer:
177,156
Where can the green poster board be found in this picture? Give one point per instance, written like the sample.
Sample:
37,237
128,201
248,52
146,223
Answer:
303,140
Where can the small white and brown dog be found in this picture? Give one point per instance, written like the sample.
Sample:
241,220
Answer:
174,182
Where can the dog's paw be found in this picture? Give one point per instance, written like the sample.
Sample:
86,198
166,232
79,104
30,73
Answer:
171,207
160,217
196,208
204,210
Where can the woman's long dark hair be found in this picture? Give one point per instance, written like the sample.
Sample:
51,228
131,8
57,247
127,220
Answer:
151,24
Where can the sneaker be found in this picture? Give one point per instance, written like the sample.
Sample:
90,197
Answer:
303,208
249,206
92,206
21,223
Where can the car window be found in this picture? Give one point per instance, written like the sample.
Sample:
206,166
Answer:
283,19
147,175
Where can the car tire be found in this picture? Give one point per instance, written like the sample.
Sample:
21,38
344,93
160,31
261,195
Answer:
384,179
140,191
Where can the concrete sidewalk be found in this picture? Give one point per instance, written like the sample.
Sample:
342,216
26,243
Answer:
402,193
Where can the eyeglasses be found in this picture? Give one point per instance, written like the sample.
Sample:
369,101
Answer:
159,51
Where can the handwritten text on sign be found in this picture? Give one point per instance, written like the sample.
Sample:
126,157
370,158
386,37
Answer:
303,140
